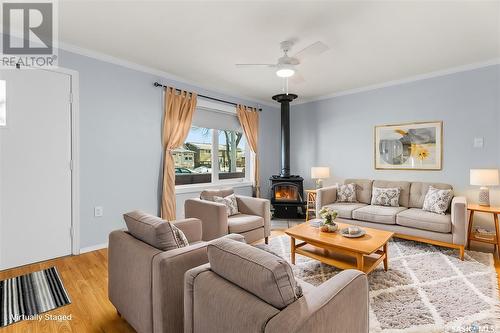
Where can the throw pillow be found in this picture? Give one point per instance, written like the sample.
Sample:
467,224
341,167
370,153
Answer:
180,238
385,197
346,193
437,201
230,202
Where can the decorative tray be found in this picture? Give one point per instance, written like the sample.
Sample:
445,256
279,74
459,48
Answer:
345,232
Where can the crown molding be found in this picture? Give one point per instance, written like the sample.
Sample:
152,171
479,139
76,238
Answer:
161,74
172,77
442,72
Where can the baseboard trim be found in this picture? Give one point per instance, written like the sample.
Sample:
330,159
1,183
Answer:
93,248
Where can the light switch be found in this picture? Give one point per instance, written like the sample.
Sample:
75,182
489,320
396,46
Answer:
478,142
98,211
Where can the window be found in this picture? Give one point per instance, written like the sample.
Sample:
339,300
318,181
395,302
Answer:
3,105
204,147
193,161
231,154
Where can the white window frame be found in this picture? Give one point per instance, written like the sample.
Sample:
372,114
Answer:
248,180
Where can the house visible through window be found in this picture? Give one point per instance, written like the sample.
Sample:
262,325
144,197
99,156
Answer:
204,146
193,161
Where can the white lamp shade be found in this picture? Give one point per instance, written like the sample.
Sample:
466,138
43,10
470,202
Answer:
484,177
320,172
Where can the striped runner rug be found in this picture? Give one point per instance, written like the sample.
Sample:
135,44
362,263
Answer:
26,296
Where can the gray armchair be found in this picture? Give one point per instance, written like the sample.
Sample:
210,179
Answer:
245,289
145,283
253,222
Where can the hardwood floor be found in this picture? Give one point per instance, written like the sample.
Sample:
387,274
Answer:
85,278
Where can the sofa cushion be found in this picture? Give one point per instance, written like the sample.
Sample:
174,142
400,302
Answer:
418,190
363,189
346,193
261,273
421,219
209,194
377,214
243,222
345,209
386,196
154,231
404,196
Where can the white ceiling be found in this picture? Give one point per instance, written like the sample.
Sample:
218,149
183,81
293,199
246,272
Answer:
371,42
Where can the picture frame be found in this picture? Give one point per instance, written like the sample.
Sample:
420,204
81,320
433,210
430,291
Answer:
409,146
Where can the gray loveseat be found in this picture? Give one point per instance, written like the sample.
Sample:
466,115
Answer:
408,220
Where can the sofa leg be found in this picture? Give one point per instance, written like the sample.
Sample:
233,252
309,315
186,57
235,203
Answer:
462,252
266,240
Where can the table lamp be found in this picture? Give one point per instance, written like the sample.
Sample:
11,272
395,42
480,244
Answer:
483,178
320,173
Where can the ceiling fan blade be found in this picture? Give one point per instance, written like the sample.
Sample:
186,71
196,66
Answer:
297,78
312,50
256,65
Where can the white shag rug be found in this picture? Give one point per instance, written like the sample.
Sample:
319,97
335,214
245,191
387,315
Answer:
426,289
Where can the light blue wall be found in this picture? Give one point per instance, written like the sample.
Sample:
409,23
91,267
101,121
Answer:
120,146
338,132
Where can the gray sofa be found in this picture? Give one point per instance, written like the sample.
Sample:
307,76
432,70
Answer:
408,220
245,289
253,221
145,284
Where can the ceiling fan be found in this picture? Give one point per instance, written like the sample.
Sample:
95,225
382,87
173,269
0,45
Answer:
286,66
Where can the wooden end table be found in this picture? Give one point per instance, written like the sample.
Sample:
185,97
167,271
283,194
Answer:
471,236
364,253
310,203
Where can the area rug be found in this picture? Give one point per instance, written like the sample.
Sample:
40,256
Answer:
25,297
426,289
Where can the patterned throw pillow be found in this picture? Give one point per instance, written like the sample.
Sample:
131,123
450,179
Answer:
437,201
230,202
179,236
386,196
346,193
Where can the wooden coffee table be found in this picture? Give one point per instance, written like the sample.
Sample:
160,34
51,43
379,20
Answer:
364,253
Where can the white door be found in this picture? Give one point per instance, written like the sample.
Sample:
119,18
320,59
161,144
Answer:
35,173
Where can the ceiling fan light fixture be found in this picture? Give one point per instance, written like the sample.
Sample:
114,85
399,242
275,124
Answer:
285,71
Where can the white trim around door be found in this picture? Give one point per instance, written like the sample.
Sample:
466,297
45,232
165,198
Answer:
74,99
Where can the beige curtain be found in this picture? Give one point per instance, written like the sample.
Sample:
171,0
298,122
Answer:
177,119
249,119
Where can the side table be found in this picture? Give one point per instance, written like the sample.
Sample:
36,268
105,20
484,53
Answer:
472,235
310,203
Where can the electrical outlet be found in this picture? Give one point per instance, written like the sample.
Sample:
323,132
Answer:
98,211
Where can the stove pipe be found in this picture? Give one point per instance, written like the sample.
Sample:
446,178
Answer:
284,100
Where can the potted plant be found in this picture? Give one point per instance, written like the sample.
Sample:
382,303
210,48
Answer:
328,215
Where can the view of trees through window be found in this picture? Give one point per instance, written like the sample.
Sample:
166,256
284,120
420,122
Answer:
193,161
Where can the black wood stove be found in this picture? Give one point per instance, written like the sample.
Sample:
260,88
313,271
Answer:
287,191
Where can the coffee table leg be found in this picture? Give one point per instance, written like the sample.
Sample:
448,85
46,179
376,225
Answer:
386,259
292,248
360,261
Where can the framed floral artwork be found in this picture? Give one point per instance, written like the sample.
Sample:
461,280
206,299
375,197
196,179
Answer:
411,146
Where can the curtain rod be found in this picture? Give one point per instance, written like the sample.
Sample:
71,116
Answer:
157,84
